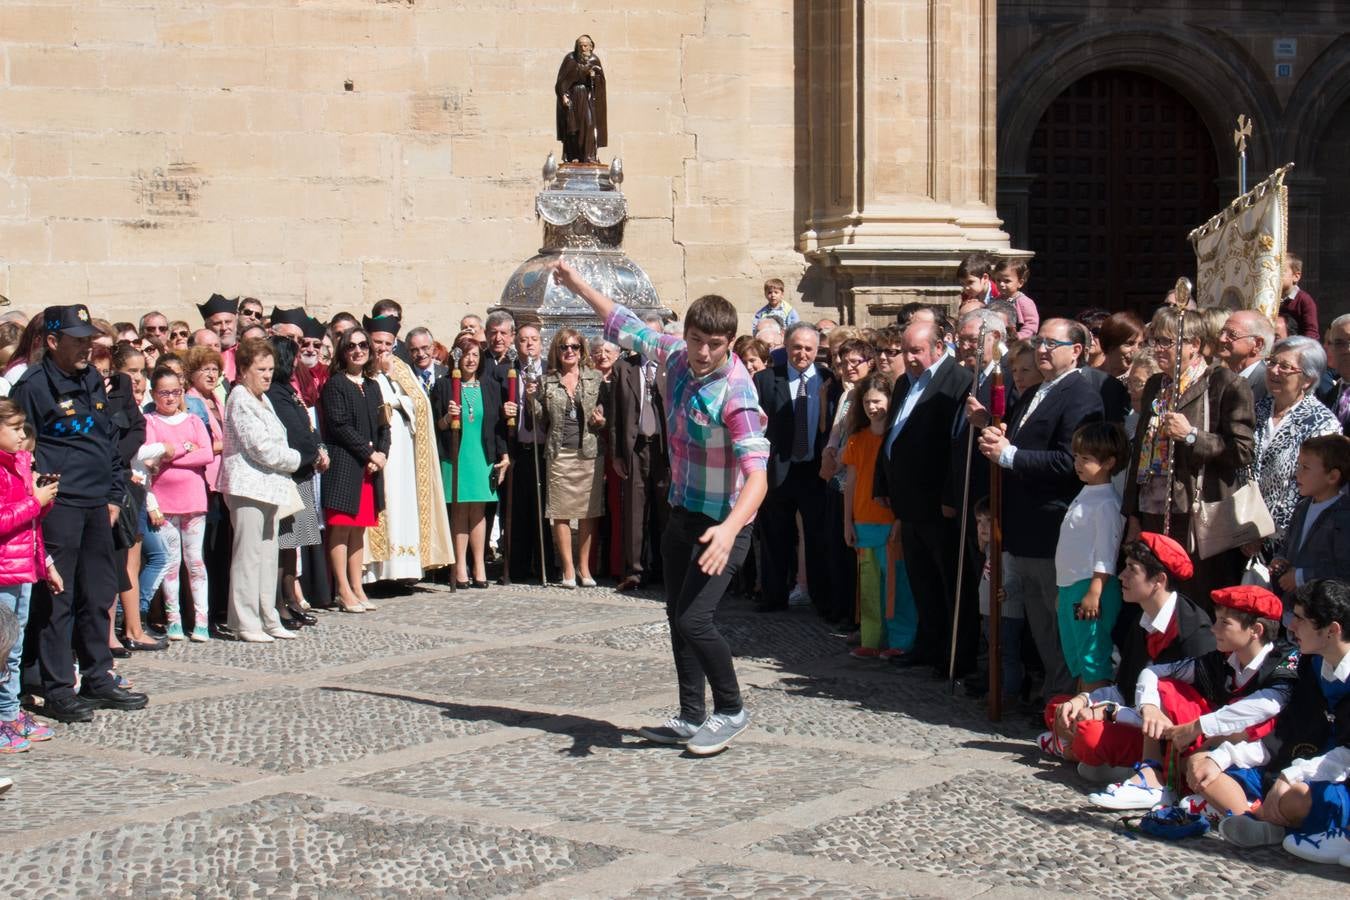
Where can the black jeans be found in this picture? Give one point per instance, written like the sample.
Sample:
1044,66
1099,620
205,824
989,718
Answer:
701,653
79,541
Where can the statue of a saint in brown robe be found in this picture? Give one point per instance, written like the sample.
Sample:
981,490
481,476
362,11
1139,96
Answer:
581,103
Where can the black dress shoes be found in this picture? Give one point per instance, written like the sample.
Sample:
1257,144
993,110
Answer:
303,617
67,709
114,698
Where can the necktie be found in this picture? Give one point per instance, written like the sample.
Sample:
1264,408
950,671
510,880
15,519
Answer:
801,433
1343,404
647,418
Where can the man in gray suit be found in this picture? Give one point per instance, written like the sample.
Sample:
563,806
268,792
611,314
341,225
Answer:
1244,344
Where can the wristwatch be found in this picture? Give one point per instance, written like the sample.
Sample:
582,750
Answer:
1190,436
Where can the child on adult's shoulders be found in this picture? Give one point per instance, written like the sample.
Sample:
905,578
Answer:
1211,713
1317,542
1010,277
1307,808
775,305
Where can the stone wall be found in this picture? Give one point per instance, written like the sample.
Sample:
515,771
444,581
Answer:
333,152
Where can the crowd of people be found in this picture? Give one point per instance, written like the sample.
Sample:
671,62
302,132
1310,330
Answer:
165,484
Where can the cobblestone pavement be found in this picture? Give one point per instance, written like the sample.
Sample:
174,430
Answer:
484,744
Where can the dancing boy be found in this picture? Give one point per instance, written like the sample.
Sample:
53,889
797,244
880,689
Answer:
718,477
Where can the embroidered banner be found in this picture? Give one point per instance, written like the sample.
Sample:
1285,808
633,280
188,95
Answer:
1240,252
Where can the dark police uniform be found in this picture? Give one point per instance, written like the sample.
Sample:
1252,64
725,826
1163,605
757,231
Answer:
76,439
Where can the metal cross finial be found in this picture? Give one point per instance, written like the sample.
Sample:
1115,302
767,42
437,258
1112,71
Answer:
511,354
456,354
1244,131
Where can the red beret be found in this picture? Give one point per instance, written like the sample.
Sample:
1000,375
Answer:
1249,598
1171,554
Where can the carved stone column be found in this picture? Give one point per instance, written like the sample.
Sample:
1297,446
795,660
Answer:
901,173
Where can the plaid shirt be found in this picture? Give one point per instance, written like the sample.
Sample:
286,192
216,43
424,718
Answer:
714,423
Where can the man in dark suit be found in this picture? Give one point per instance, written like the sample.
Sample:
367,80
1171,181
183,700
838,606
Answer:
1035,449
910,475
529,468
1334,391
1244,343
800,403
422,350
638,432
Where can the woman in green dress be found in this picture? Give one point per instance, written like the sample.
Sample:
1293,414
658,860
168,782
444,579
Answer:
482,441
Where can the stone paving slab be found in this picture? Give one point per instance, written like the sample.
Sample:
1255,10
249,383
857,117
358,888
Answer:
285,729
158,681
740,882
289,845
337,641
778,639
503,612
52,789
530,676
605,775
1038,832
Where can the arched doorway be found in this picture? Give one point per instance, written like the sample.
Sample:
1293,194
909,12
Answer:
1122,169
1329,274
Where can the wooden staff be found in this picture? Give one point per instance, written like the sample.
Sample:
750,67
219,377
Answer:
456,434
538,489
512,396
998,403
965,506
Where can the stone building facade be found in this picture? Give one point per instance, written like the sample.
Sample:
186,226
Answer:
1115,137
333,152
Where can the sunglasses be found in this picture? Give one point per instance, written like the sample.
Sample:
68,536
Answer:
178,334
574,348
359,345
156,329
890,352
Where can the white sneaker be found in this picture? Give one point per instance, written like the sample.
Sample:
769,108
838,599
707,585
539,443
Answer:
6,784
1103,774
1326,848
1131,795
799,597
1248,831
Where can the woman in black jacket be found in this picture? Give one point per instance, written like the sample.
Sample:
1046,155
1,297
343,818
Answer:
301,529
483,458
358,440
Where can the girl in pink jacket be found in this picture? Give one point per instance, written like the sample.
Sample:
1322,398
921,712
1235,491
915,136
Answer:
23,561
179,446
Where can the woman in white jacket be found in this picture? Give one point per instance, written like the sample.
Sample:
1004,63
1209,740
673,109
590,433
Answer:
255,470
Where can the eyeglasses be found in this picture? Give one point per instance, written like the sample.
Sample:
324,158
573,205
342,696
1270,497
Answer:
890,352
1339,345
359,345
168,395
1230,335
1162,343
1040,343
571,348
1283,369
853,362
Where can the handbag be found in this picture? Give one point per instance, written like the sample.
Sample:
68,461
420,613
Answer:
1241,518
1257,573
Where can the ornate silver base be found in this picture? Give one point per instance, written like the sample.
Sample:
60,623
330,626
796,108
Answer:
584,213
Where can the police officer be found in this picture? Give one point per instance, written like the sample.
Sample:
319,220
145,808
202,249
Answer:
65,401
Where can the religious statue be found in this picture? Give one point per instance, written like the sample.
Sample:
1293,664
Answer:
581,103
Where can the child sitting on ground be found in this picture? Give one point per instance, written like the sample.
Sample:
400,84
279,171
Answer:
1098,728
1213,711
1085,557
1310,798
886,612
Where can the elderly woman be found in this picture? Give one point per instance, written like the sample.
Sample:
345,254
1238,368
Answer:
1284,420
608,556
1209,428
358,443
255,477
566,403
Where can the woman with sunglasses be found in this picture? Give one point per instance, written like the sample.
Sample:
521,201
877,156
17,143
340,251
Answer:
179,332
566,404
357,438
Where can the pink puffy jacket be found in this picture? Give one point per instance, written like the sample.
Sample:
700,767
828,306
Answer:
22,555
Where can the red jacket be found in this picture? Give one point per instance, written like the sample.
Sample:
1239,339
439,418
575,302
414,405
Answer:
22,555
